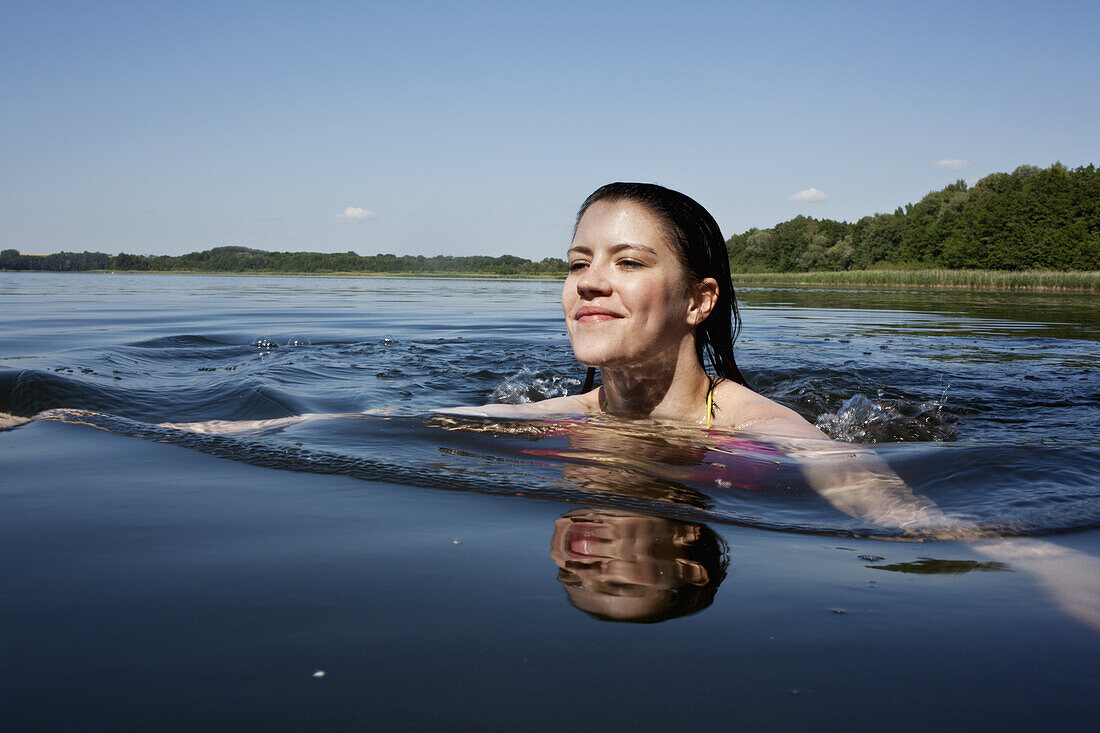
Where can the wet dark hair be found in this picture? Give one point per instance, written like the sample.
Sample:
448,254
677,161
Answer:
697,240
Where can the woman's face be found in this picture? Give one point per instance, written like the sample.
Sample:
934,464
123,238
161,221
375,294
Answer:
623,565
626,301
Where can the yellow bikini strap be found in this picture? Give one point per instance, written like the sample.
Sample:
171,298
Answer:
710,403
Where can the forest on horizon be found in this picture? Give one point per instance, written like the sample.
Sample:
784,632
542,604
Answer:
1030,219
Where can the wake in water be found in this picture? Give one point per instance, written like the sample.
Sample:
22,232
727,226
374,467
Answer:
685,475
681,473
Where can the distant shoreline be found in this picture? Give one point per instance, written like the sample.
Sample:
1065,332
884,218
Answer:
1038,280
278,273
1028,280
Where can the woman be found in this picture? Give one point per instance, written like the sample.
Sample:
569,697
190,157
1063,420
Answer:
649,301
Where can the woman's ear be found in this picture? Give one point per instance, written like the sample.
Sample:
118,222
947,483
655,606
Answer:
692,572
703,300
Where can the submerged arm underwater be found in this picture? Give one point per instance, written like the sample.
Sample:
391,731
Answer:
860,484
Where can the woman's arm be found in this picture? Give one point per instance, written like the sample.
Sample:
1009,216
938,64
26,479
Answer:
1071,577
250,427
860,484
571,406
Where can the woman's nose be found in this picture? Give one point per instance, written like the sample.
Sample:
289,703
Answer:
593,282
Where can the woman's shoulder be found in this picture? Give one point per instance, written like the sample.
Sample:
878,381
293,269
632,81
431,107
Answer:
739,408
573,405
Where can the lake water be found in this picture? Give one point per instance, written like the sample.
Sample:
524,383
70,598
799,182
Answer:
400,569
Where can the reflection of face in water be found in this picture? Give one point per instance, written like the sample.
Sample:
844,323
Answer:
621,566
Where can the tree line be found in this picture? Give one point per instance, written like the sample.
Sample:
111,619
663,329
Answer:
1030,219
244,259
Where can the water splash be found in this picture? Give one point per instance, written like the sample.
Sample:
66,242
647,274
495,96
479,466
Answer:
528,385
859,419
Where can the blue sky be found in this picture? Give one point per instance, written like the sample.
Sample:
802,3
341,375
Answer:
479,127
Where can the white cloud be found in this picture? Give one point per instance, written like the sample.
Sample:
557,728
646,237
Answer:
952,164
354,213
808,195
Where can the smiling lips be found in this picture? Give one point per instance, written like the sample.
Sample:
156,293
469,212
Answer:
582,540
594,314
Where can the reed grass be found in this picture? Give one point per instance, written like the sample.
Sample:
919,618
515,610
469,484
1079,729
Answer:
1086,281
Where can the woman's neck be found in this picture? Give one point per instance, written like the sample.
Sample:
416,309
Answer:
665,389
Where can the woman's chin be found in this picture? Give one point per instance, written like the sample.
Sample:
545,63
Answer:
597,352
593,359
601,353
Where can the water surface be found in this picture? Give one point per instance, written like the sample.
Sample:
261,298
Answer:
470,573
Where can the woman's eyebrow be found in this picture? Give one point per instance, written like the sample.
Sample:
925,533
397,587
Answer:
631,245
615,248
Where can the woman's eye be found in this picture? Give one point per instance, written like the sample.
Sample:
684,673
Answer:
578,265
630,264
